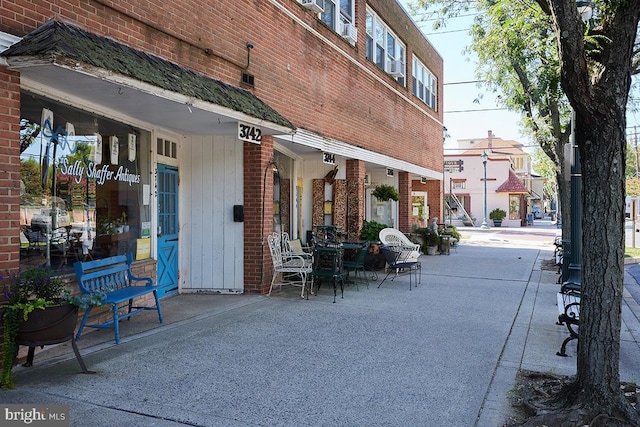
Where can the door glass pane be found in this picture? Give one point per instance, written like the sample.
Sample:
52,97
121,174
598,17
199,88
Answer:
514,206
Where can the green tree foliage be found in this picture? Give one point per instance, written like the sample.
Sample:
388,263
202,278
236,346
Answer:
28,133
543,165
30,175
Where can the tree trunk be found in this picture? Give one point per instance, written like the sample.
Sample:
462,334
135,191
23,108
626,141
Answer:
597,82
602,149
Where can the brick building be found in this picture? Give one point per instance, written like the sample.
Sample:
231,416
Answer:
186,133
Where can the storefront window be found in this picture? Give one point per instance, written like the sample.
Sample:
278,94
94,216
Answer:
85,185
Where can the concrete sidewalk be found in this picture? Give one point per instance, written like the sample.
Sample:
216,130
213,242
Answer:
443,354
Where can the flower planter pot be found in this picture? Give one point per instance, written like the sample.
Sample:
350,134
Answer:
53,325
432,250
497,222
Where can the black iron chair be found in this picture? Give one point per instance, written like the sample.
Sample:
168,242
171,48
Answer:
398,260
328,264
357,264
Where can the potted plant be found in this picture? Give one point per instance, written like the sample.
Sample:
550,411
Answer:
451,230
432,241
385,193
428,240
497,215
38,308
370,232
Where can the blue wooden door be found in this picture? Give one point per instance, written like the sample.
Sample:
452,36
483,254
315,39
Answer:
168,229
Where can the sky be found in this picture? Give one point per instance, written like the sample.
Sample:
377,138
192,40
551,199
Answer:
463,118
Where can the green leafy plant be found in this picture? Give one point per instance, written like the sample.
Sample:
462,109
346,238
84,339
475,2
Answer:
386,192
427,238
497,214
451,230
371,230
24,292
432,239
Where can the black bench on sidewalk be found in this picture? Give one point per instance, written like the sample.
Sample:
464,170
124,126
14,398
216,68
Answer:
112,277
569,312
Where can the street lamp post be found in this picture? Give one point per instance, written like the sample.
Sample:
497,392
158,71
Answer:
572,262
484,156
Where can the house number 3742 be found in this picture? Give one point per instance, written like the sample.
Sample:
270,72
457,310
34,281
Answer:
249,133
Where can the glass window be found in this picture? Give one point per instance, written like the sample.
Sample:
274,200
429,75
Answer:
369,37
389,53
425,84
346,9
83,178
329,14
514,206
334,19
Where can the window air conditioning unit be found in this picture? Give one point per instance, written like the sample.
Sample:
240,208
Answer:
367,179
395,68
316,6
349,32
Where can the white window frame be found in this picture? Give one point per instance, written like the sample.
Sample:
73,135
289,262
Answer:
339,17
425,84
385,46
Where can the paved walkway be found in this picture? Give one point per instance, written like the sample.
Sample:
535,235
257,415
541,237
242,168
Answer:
443,354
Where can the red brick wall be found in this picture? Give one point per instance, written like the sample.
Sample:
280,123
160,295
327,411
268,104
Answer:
295,72
10,161
258,267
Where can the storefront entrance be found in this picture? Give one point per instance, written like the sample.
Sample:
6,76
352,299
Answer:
167,275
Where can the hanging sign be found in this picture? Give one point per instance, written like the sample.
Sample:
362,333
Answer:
96,150
115,150
329,158
132,147
249,133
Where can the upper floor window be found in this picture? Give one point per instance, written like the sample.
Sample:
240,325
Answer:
339,16
518,163
385,48
425,84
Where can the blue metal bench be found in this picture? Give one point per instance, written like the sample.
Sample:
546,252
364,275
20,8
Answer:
112,278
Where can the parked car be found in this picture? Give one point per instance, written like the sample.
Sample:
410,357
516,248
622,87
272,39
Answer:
536,213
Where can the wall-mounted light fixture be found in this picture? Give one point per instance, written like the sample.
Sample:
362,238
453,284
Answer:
249,47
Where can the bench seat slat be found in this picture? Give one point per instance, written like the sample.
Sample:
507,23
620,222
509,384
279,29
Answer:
125,294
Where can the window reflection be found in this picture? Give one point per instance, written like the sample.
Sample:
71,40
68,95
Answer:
82,179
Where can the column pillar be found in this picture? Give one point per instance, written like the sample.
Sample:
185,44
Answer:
355,198
258,222
404,204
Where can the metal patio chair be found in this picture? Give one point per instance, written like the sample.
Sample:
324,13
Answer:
398,260
295,267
